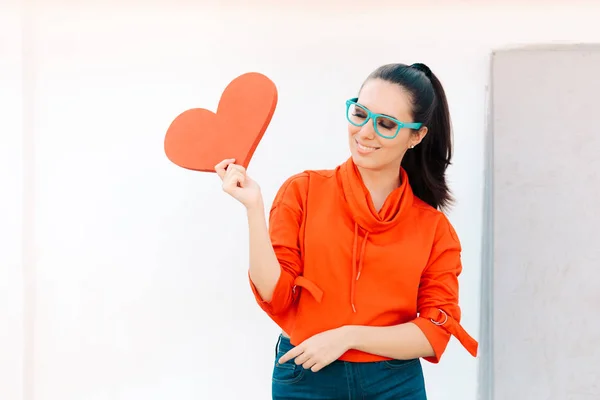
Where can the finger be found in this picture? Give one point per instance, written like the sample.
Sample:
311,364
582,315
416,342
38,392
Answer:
233,179
302,358
221,167
241,179
293,353
317,367
220,170
225,163
237,174
309,364
235,167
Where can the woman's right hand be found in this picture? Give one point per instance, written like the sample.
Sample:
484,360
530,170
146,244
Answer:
238,184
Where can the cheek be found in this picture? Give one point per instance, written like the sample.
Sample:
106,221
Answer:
352,130
396,145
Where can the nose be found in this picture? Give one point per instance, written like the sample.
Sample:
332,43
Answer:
367,131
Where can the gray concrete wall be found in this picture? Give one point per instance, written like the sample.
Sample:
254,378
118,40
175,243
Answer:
545,238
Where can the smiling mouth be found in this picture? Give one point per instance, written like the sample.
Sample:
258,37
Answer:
365,149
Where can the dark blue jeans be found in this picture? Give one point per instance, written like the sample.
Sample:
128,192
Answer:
342,380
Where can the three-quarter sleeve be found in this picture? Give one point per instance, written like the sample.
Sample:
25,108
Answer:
285,225
437,303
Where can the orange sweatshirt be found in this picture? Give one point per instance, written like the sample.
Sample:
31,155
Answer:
344,263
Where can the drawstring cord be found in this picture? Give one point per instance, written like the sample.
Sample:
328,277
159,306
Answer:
357,263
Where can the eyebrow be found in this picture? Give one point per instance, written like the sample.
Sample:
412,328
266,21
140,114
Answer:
385,115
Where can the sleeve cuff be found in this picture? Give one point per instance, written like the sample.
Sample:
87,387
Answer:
281,299
438,326
436,335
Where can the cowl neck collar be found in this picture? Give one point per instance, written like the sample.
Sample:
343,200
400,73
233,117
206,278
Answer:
361,204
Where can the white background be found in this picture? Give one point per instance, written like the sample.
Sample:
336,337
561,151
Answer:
123,276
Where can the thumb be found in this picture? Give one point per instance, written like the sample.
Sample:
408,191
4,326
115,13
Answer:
221,168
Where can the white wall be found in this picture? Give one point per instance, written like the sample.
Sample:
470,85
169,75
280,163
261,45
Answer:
138,267
11,204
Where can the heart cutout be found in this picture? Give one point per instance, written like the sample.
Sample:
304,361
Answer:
198,139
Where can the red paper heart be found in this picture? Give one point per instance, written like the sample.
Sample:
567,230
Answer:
198,139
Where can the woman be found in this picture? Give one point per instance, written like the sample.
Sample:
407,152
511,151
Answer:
358,266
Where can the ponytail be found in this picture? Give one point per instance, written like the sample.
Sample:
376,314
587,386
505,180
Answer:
425,164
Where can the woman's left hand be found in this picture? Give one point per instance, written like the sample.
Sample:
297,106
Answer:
320,350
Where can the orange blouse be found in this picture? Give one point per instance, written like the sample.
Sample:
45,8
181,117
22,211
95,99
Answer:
344,263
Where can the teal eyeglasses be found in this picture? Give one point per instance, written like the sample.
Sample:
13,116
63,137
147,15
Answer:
385,126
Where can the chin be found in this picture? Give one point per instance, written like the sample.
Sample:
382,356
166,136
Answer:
374,161
366,162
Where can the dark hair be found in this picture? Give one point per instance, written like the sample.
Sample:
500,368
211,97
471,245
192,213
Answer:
425,164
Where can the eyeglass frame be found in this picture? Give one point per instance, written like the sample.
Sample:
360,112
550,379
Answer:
374,116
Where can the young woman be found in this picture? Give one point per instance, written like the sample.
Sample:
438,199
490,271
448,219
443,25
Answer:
358,265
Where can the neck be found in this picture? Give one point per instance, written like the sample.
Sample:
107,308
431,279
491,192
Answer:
381,183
